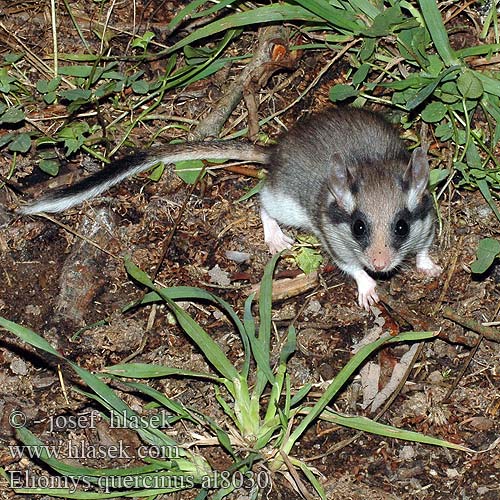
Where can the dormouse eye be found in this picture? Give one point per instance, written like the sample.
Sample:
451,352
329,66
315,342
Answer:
401,228
358,228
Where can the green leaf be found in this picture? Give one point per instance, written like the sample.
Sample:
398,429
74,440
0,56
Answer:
290,346
491,85
251,192
184,13
75,94
340,92
50,167
387,20
44,86
444,131
50,97
412,44
28,336
434,112
427,91
53,84
308,259
487,251
195,55
435,66
346,372
12,57
437,175
21,143
140,87
81,71
73,136
337,17
367,49
469,85
12,115
189,170
448,92
157,172
5,139
371,9
143,41
473,158
361,74
412,81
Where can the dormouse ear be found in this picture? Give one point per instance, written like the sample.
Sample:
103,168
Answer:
416,176
340,184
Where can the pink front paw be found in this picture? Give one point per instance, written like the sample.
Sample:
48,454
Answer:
279,241
426,266
275,238
367,290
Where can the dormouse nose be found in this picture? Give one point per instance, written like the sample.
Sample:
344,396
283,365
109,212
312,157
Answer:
380,258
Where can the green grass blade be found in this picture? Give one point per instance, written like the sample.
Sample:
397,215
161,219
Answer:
439,35
28,336
490,85
200,337
252,191
310,476
208,346
43,453
262,15
366,7
187,75
190,293
184,13
92,381
339,18
178,409
148,433
429,89
262,345
265,301
290,345
212,10
145,370
485,191
478,50
346,372
373,427
249,333
80,495
102,393
259,351
300,395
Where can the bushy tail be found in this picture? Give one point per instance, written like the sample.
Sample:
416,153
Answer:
62,199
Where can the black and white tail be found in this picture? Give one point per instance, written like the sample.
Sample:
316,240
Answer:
62,199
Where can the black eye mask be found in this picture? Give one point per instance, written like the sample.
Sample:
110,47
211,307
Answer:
360,228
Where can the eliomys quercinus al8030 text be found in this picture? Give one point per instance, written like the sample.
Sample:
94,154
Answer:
343,174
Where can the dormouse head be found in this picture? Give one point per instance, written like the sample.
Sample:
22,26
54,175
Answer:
380,209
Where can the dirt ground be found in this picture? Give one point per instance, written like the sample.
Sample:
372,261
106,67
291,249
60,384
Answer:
56,283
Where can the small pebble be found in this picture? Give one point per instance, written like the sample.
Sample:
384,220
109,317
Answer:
238,257
19,367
